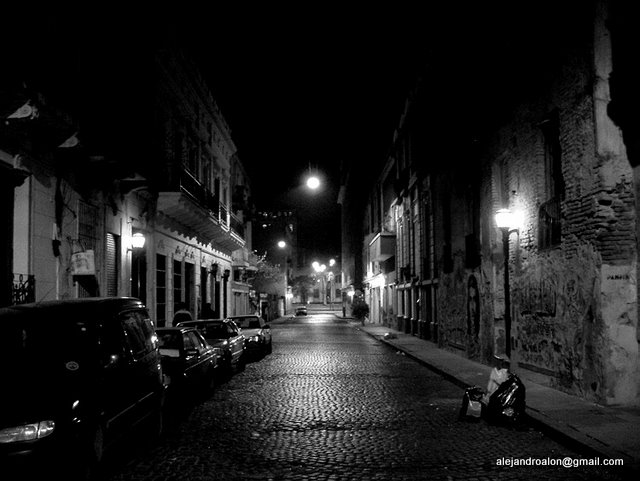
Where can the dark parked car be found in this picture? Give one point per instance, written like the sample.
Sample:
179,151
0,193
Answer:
256,331
301,311
189,362
224,335
77,375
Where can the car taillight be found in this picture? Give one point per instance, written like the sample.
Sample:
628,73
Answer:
27,432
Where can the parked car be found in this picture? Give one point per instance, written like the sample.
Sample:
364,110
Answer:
226,336
189,362
77,376
256,331
301,311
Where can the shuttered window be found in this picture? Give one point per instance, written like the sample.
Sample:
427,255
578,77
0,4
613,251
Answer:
112,263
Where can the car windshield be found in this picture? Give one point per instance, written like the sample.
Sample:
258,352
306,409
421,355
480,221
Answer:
247,322
210,330
169,342
215,331
169,339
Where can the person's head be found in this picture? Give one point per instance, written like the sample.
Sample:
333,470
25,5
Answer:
502,361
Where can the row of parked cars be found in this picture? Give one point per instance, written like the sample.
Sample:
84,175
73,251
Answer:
79,374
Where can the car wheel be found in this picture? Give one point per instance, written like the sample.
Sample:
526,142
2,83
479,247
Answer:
92,450
228,365
156,421
242,362
212,380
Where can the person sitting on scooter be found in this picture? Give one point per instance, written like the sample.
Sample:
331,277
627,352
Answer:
498,375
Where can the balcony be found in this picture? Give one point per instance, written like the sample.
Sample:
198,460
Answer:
382,247
191,209
24,289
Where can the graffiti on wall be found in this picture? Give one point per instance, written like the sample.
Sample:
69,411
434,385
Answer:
452,308
473,307
553,316
460,313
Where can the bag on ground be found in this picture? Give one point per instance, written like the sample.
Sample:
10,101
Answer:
507,403
471,408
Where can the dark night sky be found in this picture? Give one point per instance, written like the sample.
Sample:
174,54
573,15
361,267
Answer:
307,90
316,85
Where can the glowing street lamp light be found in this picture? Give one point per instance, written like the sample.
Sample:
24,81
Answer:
282,244
137,240
313,182
506,219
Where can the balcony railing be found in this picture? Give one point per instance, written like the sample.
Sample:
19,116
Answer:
188,202
382,246
190,186
237,225
24,289
224,215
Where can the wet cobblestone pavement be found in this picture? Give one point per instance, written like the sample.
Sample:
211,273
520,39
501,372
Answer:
332,403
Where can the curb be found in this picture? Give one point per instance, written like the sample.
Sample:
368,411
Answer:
533,417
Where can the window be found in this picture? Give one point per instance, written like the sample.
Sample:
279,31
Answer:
472,243
177,281
549,213
112,264
189,341
138,333
447,249
161,289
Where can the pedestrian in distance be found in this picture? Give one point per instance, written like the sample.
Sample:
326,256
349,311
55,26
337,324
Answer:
207,312
182,313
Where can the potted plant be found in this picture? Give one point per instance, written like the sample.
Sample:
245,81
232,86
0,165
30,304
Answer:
359,310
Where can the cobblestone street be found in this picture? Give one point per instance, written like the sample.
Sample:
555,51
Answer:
332,403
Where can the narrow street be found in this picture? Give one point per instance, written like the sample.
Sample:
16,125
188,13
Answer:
331,402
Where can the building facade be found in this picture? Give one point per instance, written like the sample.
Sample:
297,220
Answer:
140,150
557,290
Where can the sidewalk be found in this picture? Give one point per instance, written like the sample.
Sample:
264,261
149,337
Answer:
607,432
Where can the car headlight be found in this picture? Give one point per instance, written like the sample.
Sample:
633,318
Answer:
27,432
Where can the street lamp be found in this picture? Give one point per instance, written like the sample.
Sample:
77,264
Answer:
313,182
137,240
138,266
324,279
508,222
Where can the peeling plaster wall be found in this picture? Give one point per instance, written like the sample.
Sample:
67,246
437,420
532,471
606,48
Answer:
557,324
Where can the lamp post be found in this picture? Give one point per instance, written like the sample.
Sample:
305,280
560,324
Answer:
319,270
283,245
138,266
507,222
